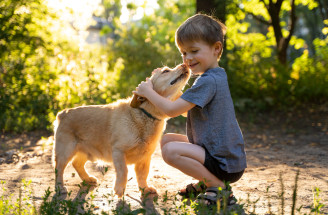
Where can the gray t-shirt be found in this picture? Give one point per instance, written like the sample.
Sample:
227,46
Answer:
212,123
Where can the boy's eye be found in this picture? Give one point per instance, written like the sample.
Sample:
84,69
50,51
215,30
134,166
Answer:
165,71
194,51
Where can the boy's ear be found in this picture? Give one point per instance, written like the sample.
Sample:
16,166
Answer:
137,101
218,47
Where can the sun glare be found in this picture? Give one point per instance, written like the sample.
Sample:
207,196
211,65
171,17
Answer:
144,7
77,15
79,12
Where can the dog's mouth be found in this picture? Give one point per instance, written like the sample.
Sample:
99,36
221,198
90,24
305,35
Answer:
182,76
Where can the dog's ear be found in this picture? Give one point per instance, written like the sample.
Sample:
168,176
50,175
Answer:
137,101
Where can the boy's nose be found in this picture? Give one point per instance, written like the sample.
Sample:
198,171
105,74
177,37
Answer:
187,57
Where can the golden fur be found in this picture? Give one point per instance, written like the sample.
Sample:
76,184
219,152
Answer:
119,132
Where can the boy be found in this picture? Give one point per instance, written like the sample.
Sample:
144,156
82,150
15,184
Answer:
213,149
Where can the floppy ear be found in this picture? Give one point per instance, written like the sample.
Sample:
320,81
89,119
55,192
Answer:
137,101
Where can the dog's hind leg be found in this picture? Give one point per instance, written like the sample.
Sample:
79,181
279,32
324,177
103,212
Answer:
64,152
121,172
142,169
79,164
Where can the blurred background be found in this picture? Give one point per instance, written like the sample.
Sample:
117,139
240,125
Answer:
57,54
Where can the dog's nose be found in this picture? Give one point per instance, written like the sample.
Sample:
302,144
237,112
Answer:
184,66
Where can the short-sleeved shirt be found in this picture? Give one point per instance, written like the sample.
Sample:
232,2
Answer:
212,123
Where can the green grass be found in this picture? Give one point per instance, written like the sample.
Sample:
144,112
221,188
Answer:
54,203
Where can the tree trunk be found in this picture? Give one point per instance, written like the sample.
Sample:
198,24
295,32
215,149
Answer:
282,42
323,8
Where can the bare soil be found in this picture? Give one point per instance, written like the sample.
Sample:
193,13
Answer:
278,145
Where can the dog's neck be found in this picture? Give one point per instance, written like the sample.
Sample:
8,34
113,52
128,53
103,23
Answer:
152,111
148,114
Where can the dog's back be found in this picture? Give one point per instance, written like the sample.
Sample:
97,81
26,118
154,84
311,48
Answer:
96,129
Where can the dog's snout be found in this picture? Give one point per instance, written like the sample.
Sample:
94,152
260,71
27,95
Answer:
184,67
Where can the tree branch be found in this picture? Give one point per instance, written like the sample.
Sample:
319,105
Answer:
264,3
258,18
278,4
292,21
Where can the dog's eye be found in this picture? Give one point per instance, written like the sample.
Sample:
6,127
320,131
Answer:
165,71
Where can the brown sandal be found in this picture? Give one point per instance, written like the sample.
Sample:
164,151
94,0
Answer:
192,190
219,195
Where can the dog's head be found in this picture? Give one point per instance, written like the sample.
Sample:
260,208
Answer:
166,82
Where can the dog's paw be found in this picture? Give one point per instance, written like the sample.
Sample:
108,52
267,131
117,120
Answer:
119,191
148,190
61,190
91,180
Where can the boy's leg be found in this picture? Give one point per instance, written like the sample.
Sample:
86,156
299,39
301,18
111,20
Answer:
188,158
172,137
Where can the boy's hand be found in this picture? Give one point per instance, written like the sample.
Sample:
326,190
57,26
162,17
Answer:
143,88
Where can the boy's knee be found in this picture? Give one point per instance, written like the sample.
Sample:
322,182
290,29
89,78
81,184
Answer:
165,139
168,153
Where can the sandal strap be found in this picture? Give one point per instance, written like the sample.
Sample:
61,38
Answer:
214,190
190,188
211,199
218,196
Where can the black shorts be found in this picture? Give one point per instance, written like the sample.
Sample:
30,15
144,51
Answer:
213,166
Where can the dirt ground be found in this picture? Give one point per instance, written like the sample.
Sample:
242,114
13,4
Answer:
277,145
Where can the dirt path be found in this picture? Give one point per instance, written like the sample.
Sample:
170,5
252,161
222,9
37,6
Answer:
276,145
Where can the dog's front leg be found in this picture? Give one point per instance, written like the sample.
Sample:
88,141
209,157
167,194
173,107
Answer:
121,172
142,170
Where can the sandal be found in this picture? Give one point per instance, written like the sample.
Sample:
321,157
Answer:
192,190
219,196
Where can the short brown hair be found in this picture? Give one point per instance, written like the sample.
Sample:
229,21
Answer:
201,27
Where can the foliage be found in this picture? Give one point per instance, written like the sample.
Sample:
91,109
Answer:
257,79
44,68
23,50
43,71
310,75
24,204
141,46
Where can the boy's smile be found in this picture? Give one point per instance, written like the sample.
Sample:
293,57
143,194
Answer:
200,56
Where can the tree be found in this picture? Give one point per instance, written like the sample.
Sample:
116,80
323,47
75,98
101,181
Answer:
24,75
323,8
216,8
274,10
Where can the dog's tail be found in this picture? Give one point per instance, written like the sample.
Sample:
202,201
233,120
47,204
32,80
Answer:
53,159
56,123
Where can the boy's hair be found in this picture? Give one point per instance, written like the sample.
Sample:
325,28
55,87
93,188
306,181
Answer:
201,27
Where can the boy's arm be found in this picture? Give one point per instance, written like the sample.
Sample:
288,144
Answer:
170,108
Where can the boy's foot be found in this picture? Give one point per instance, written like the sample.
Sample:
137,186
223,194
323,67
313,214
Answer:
213,195
193,190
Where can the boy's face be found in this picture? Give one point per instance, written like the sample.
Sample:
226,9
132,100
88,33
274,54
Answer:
199,56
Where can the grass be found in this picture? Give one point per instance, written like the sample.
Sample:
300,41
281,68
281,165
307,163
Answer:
54,203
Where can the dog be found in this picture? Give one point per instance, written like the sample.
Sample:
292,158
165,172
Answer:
124,132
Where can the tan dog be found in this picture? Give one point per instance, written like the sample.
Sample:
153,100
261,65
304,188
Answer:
124,132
